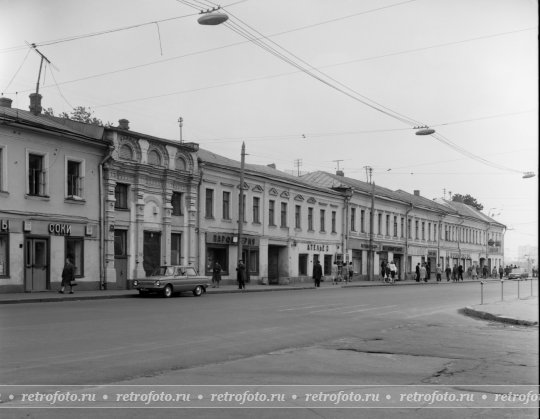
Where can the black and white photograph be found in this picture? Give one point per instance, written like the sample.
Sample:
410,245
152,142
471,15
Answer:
308,209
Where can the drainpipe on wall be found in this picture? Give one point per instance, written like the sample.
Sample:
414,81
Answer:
103,280
198,228
407,232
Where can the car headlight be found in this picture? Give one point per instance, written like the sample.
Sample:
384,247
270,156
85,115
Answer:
157,283
135,283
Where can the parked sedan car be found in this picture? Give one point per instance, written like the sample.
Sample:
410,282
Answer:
169,280
518,273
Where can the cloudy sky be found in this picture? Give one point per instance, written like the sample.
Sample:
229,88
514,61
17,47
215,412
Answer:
308,85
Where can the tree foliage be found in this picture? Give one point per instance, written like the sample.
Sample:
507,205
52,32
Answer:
79,114
469,200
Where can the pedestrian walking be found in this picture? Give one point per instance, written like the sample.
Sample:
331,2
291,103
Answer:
428,270
474,272
317,273
68,276
469,272
241,275
417,273
382,276
335,274
448,271
216,274
454,273
423,273
438,272
351,271
393,271
494,272
485,271
460,273
501,272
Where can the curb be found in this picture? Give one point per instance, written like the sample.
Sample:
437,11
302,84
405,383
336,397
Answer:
471,312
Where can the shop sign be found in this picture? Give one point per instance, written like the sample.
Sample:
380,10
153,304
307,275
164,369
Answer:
494,250
4,225
367,246
60,229
460,255
316,247
432,253
223,238
394,249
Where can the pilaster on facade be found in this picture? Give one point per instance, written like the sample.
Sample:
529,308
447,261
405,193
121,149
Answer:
139,231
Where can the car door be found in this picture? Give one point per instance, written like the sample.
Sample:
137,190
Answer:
180,279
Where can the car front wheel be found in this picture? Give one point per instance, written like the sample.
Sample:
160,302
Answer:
167,291
197,292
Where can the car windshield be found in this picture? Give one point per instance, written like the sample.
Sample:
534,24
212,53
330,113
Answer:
164,271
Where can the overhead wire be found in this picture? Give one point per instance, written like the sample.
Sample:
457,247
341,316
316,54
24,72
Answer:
18,70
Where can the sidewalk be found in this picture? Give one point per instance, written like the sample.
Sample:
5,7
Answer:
522,311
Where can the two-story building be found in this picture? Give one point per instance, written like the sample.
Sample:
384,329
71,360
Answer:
49,199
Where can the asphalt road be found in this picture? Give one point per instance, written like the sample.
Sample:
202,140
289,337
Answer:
348,336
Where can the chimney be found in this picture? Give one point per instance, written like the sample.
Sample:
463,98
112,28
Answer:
35,103
272,165
123,124
340,173
417,192
5,102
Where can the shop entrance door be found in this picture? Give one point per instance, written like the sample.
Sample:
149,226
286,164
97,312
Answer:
151,251
273,265
36,276
120,258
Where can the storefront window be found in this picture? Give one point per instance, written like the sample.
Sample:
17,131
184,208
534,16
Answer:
302,264
75,251
176,246
4,255
219,254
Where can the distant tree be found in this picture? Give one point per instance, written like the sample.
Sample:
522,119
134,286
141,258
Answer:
469,200
79,114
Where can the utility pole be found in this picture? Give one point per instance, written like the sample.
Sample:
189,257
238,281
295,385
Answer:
241,203
337,161
369,172
40,66
371,258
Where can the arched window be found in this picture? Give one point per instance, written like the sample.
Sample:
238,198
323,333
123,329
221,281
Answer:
154,158
180,164
126,153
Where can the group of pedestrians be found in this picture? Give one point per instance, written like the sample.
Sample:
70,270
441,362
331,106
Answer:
389,271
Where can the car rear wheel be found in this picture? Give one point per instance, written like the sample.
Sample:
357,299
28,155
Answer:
197,292
167,291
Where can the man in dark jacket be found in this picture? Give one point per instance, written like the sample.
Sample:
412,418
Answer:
68,275
317,273
241,274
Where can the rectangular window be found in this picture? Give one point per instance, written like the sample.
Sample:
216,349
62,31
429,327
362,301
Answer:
121,196
423,230
416,227
256,209
221,255
409,229
322,218
429,231
434,232
401,225
333,222
271,213
310,219
36,175
283,214
4,254
176,249
387,225
362,221
379,224
353,219
297,216
75,179
209,203
395,226
226,205
75,251
176,202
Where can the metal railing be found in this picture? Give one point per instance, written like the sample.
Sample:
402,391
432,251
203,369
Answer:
509,289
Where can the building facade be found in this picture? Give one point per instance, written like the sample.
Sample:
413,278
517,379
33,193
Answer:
49,200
